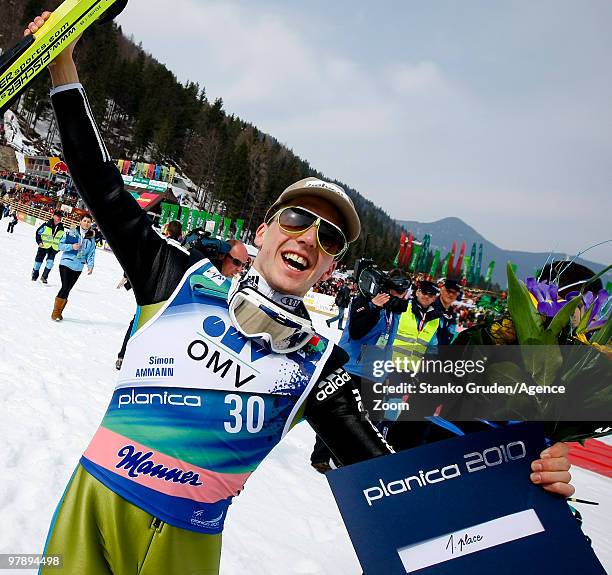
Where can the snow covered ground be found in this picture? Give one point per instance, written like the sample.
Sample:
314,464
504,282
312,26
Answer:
56,380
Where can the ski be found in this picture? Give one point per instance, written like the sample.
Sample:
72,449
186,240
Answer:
22,63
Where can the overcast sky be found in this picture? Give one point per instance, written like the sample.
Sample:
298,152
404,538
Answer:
494,111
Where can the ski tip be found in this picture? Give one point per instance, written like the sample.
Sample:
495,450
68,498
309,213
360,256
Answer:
112,11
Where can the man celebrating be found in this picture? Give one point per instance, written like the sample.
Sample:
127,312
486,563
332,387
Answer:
214,377
48,237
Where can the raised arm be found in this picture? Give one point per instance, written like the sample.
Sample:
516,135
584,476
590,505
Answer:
143,254
364,315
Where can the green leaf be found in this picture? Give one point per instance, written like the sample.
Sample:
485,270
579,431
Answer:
584,322
579,358
505,373
599,400
527,321
542,362
562,317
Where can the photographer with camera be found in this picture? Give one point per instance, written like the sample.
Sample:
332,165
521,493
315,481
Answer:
374,312
229,257
374,316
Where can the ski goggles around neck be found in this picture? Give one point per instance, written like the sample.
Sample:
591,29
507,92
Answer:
296,220
256,316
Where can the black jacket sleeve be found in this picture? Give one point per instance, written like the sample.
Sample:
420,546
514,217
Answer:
335,412
363,317
39,233
153,267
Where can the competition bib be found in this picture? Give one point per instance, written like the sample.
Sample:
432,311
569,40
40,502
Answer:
197,407
191,343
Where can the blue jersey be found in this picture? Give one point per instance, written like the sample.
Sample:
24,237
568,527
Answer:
197,407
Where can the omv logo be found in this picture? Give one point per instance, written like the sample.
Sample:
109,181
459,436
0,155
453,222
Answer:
220,349
231,339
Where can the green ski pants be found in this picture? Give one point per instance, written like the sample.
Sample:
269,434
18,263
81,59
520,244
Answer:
97,532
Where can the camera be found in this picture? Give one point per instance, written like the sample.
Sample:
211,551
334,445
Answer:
201,240
371,281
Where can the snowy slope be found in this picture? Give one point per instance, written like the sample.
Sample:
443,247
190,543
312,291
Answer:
56,380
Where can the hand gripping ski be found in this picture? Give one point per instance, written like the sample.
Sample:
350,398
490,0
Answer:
25,60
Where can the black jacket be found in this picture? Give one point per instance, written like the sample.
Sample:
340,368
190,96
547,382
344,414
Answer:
155,268
343,297
448,323
363,316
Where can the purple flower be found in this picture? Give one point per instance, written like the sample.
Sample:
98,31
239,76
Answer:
546,295
598,302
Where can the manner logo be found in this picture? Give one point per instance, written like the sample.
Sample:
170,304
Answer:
137,463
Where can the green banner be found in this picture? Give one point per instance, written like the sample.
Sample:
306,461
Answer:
422,261
185,217
165,214
227,224
434,264
471,269
444,271
416,250
489,274
466,266
193,219
239,226
26,218
479,264
201,219
217,219
174,212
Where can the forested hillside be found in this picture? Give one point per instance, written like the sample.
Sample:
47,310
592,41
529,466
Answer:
146,114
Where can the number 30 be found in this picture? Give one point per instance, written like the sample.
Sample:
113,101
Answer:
255,408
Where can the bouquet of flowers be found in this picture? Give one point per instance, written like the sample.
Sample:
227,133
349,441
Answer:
564,341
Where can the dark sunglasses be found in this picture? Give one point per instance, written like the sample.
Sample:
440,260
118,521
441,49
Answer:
238,263
297,220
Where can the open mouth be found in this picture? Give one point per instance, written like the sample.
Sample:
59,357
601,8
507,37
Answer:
295,261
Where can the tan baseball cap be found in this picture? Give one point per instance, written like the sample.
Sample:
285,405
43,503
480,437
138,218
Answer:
333,193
